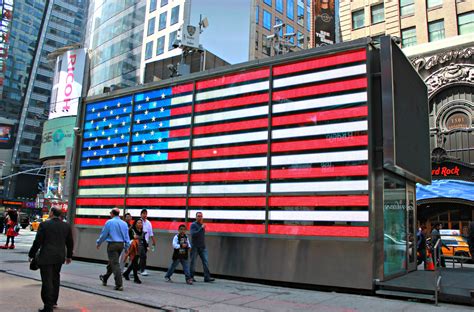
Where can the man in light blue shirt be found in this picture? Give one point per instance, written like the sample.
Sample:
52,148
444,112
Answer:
115,232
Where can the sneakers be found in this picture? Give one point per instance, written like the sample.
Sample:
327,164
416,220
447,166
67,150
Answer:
168,279
193,280
209,280
137,281
104,281
125,276
189,281
144,273
119,288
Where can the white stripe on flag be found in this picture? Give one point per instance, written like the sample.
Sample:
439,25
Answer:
180,122
320,76
160,213
93,211
348,216
228,188
181,99
101,191
336,100
156,190
102,171
324,186
231,138
320,130
258,86
239,113
159,168
320,158
230,214
178,144
230,163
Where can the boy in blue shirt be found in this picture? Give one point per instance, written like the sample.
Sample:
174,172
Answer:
181,247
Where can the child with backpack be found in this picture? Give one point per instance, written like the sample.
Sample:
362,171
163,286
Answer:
181,246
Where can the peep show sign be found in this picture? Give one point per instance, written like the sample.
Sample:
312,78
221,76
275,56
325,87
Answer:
58,134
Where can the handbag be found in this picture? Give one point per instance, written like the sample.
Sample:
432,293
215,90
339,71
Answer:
17,228
34,262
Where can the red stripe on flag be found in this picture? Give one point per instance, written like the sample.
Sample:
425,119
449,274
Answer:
235,78
171,178
300,173
90,221
102,181
235,228
320,62
232,126
229,176
319,201
229,151
360,140
182,88
146,201
330,87
307,230
100,201
185,132
227,202
166,225
316,117
178,155
181,110
235,102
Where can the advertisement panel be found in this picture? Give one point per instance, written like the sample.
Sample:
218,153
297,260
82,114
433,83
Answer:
324,22
6,136
58,134
67,87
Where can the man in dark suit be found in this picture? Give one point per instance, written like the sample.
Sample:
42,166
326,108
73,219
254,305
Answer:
53,238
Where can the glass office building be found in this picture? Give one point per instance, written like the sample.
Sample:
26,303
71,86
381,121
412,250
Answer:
114,37
38,28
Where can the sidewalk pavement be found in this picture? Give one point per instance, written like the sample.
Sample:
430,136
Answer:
222,295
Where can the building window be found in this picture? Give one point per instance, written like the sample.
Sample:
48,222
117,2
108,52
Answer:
265,45
466,23
160,45
407,7
268,2
148,50
151,27
290,9
434,3
279,6
164,2
162,24
172,38
358,19
300,12
290,30
377,13
436,30
174,15
308,20
267,20
408,37
257,13
300,41
152,5
256,40
277,22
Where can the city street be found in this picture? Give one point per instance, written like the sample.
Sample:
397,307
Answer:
82,291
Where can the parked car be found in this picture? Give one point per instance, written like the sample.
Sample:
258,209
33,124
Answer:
35,224
453,244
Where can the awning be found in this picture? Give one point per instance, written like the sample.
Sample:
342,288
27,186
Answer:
448,189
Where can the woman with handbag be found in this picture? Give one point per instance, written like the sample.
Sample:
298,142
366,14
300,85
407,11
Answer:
137,248
12,229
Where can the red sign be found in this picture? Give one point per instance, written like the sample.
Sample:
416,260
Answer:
445,171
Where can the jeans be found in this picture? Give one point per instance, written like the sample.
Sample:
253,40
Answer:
202,252
174,264
113,252
142,265
133,266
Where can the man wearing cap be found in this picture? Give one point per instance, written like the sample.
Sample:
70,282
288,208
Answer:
115,232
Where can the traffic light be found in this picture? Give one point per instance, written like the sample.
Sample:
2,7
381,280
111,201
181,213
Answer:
62,174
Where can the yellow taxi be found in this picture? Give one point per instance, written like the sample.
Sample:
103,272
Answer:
35,224
454,245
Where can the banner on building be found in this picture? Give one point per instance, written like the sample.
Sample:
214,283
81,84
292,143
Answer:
58,135
6,136
67,86
324,22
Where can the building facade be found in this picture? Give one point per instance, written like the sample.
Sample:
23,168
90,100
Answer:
37,29
114,38
413,21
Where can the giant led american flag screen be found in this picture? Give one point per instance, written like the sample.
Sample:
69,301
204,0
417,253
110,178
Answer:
280,150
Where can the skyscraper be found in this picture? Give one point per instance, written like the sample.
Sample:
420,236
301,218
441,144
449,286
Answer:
114,38
37,28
